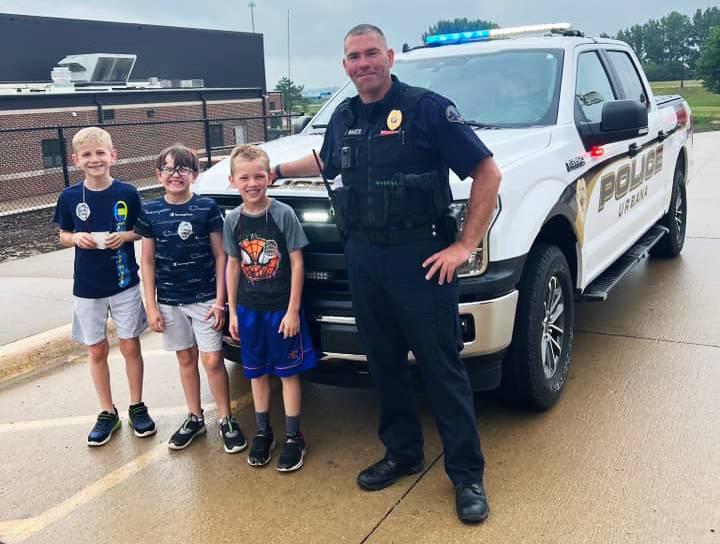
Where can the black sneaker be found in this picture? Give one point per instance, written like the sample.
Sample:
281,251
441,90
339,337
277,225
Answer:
233,438
190,428
105,426
292,454
141,422
262,444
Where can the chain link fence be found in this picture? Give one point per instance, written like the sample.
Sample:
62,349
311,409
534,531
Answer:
36,165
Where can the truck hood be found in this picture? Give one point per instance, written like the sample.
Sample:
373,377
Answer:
507,145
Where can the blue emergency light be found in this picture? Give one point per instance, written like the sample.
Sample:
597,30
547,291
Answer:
489,34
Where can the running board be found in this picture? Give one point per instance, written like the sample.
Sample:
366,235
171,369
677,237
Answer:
598,290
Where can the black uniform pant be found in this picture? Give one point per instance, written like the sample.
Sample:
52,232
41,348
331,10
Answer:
398,310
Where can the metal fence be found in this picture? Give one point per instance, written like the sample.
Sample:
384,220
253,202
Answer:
36,165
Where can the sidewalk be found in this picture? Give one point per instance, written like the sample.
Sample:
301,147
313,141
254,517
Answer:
36,294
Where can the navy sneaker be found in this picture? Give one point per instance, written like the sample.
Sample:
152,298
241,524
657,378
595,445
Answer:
105,426
233,438
141,422
262,445
293,453
191,427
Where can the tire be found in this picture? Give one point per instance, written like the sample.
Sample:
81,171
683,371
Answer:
675,219
534,377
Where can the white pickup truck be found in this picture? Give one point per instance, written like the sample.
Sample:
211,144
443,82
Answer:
594,173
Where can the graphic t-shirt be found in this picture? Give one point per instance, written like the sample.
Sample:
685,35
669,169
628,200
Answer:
263,243
184,261
101,273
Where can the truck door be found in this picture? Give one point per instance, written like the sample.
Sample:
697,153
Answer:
651,168
593,89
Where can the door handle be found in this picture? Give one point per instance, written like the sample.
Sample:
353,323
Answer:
633,149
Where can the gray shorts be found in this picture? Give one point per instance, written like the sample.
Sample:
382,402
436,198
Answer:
89,324
185,326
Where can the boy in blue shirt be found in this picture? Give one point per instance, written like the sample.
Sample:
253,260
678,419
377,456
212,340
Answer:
265,274
97,217
183,262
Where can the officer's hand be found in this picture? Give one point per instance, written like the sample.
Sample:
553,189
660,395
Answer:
446,262
272,176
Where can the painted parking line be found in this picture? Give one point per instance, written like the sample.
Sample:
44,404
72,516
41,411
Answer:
15,531
89,419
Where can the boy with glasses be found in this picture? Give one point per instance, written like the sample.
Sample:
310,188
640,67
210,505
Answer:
183,263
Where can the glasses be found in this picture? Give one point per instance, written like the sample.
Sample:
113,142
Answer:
184,171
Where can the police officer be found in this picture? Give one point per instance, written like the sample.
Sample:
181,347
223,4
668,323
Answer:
393,144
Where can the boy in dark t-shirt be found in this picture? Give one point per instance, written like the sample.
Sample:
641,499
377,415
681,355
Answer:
97,217
264,241
183,263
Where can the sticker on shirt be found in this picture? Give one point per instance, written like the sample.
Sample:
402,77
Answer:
453,115
82,210
260,259
394,119
184,230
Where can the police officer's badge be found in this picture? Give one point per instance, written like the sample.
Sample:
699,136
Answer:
394,119
453,115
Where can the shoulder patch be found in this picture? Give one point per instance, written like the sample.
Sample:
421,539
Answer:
453,115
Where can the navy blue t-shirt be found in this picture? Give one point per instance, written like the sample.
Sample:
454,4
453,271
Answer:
438,128
101,273
184,261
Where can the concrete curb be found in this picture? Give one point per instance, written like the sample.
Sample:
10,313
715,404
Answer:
43,351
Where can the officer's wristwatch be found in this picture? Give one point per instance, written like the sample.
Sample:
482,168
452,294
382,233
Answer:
278,172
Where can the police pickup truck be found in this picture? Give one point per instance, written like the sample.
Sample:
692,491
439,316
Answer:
594,174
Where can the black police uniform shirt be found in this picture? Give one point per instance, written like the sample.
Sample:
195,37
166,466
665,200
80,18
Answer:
439,128
184,261
100,273
263,243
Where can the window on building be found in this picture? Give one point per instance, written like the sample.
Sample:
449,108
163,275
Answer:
272,105
216,135
51,154
108,115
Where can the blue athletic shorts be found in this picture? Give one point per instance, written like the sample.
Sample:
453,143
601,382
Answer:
265,351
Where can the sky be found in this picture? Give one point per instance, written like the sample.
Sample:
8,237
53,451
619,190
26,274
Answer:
317,27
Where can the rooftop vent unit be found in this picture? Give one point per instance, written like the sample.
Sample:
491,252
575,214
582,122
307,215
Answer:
99,68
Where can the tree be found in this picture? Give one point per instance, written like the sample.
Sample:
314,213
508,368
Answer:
292,94
709,63
447,26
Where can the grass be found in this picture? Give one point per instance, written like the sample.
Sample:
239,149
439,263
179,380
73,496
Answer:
704,104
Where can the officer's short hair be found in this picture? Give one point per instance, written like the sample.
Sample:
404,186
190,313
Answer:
365,28
248,153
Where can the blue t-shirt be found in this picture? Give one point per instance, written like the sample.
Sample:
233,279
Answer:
438,129
101,273
184,261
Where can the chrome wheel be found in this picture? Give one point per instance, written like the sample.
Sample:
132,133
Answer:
552,327
679,216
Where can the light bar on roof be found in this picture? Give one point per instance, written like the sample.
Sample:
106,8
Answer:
480,35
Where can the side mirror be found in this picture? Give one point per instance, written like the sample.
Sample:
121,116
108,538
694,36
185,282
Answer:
299,123
621,120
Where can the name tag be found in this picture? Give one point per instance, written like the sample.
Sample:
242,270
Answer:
355,132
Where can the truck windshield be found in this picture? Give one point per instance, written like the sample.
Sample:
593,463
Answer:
508,89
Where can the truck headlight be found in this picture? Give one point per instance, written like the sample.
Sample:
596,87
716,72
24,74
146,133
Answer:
478,262
316,216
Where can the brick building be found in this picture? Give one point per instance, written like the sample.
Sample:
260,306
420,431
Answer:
31,160
223,104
